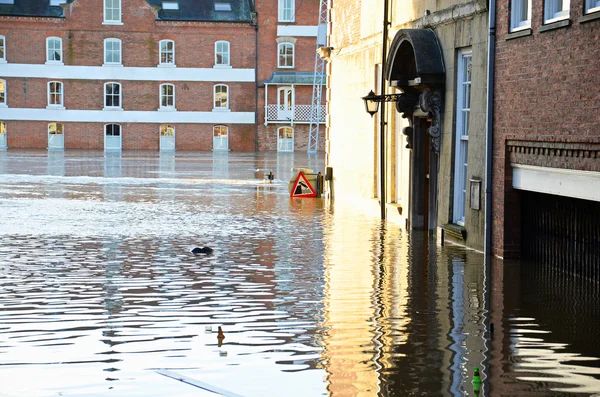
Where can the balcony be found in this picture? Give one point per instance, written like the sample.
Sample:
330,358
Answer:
297,114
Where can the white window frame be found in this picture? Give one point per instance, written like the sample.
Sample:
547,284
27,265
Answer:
218,90
113,41
51,51
164,96
53,94
118,96
556,10
220,141
592,6
463,111
3,135
285,56
2,49
3,96
56,140
163,53
167,137
223,53
110,138
518,21
109,10
286,11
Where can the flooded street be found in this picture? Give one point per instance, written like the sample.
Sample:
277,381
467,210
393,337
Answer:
100,294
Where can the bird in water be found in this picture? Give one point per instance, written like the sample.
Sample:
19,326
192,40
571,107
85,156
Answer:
202,250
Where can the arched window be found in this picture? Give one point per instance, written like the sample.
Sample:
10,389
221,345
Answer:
167,53
55,94
112,52
167,97
286,55
112,137
222,53
54,50
112,130
112,96
221,97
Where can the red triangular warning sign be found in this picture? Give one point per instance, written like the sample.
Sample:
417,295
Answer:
302,187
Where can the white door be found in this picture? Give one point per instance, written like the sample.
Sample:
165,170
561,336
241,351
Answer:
285,103
167,138
220,138
285,139
56,137
112,137
2,135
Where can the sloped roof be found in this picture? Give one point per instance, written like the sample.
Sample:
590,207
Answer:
298,78
188,10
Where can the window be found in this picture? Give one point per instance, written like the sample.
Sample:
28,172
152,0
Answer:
170,5
2,49
520,14
592,6
221,97
112,96
555,10
2,93
112,11
286,55
463,111
286,10
112,130
55,94
167,53
112,137
222,6
112,52
285,139
167,97
222,53
54,50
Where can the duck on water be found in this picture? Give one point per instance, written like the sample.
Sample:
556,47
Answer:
202,250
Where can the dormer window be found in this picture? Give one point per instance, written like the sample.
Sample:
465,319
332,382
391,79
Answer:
222,6
170,5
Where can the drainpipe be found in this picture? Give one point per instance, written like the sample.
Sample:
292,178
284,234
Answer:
489,143
256,81
382,153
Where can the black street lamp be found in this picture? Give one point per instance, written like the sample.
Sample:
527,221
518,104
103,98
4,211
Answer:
372,101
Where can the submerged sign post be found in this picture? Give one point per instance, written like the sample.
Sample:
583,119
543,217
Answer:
302,187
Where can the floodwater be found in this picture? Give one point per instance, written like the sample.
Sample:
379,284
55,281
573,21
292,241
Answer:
100,295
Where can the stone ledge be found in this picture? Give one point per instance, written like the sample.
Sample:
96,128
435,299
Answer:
555,25
455,231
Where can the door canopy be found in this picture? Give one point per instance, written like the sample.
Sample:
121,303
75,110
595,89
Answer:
415,59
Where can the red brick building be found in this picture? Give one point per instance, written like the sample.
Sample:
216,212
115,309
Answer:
547,131
144,74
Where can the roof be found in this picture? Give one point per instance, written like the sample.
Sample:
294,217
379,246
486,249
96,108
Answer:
298,78
180,10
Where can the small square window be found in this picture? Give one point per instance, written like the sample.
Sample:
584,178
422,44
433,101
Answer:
170,5
222,6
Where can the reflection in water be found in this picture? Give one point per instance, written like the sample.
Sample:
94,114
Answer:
99,290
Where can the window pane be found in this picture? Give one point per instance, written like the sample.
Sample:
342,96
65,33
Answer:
1,47
2,92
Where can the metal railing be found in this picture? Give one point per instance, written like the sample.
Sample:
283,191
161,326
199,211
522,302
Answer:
297,114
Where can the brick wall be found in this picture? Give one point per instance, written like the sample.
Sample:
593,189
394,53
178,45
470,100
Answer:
545,91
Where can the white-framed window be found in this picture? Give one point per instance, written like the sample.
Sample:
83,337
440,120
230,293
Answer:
221,97
286,55
54,50
222,53
56,137
3,93
286,10
112,137
55,94
167,53
220,137
555,10
167,97
112,96
463,112
592,6
2,49
112,52
112,11
520,14
285,139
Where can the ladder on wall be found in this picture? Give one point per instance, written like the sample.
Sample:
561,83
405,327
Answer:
319,77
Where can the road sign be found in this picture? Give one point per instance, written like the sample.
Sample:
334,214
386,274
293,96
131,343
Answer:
302,188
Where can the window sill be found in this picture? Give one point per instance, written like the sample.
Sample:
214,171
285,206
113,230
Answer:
112,23
221,110
166,65
3,105
518,33
3,61
167,109
112,109
286,67
222,66
112,65
54,63
455,231
592,16
555,25
285,22
55,107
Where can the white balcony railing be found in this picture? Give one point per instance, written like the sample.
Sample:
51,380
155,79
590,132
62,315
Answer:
298,114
